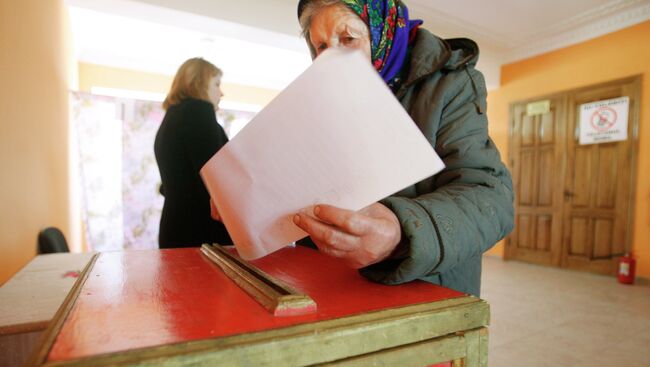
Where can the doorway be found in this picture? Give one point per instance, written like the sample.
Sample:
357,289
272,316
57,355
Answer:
573,201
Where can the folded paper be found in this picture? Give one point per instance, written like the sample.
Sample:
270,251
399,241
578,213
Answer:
336,135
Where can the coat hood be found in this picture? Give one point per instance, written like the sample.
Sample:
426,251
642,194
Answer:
431,54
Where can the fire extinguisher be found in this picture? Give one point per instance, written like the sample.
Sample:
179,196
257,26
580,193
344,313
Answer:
626,269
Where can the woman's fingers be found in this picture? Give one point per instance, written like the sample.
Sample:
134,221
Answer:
351,222
331,251
360,238
327,235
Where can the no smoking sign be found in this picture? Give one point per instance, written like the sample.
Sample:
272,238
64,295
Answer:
604,121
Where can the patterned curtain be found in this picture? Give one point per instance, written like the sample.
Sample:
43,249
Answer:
141,199
119,179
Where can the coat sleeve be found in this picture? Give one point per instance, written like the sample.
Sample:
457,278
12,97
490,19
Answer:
468,206
203,136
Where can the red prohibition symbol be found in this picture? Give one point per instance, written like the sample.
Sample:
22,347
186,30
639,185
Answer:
603,119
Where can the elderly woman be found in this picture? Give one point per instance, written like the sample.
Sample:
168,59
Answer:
437,229
189,136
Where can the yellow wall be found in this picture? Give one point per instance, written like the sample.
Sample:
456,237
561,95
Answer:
91,75
614,56
33,127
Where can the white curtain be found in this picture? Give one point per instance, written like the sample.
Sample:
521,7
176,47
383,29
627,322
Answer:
119,179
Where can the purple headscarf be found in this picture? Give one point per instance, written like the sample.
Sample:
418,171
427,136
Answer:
391,31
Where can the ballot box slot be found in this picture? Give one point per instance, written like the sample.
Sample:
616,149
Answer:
266,279
277,297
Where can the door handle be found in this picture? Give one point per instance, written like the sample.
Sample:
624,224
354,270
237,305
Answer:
568,194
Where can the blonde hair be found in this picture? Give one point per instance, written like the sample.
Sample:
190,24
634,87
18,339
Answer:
191,81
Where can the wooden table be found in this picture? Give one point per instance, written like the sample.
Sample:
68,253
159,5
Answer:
29,300
175,307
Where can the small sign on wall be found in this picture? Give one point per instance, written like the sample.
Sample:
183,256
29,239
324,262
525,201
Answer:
604,121
538,108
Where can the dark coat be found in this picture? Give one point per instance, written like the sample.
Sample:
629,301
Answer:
450,219
188,137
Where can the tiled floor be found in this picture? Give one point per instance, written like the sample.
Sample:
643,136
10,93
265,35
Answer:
550,317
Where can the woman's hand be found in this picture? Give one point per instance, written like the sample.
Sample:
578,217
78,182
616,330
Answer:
360,238
214,213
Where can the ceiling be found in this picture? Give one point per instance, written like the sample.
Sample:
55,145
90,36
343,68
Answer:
257,41
518,29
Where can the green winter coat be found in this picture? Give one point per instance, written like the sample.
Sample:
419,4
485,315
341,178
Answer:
450,219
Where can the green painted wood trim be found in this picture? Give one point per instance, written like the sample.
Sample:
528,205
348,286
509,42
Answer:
438,350
308,344
473,356
467,349
52,331
483,346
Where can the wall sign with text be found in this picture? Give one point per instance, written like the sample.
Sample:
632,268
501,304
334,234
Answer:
604,121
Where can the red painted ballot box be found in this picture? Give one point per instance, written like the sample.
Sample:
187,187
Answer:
176,307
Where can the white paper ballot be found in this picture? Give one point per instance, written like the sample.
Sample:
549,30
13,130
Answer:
336,135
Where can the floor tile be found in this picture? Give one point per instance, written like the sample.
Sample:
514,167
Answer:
544,316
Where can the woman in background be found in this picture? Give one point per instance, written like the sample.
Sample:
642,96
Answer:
188,137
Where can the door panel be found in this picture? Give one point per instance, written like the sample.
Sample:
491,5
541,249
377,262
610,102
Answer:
606,178
527,130
527,178
582,177
603,238
526,231
545,176
579,236
547,129
600,177
544,229
536,160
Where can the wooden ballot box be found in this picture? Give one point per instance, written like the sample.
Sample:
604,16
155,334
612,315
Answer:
176,307
30,299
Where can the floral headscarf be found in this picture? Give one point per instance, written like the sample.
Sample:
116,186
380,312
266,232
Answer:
390,33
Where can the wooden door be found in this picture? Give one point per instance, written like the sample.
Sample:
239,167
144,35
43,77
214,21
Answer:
573,203
537,149
599,187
